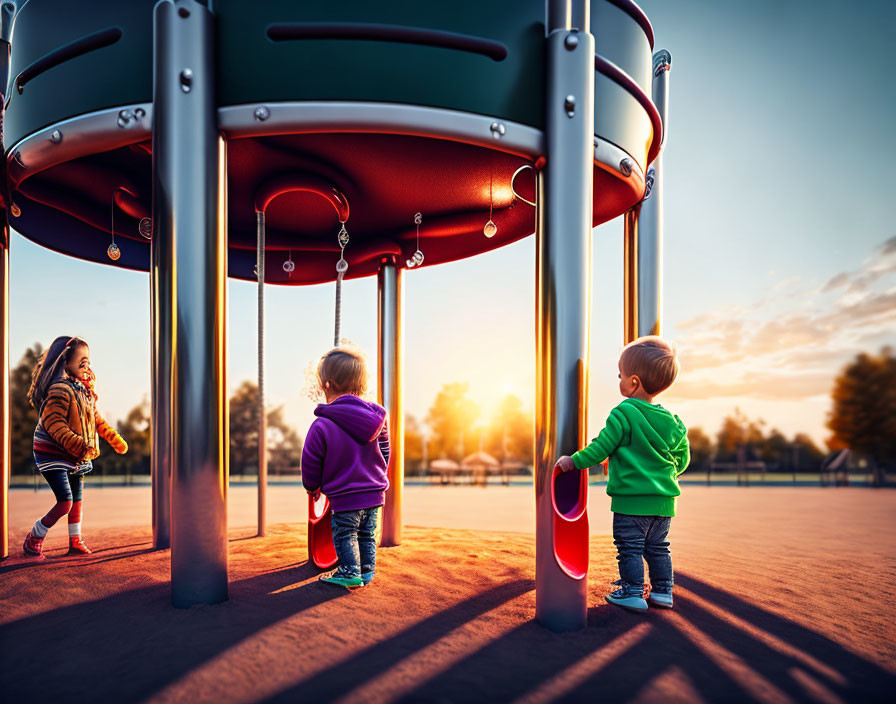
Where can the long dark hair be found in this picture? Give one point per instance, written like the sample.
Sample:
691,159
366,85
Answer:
50,368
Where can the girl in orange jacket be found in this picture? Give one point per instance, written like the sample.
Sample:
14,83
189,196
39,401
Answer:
65,439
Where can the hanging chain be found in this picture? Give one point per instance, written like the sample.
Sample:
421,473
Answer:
417,258
341,268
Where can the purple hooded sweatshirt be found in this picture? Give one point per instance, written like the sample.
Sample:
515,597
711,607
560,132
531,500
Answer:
346,453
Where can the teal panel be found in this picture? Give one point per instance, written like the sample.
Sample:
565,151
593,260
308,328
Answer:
256,69
620,39
114,75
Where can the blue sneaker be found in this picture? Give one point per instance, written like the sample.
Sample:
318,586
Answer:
367,577
338,580
661,599
631,602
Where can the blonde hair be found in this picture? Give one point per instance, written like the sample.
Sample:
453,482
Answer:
344,370
653,360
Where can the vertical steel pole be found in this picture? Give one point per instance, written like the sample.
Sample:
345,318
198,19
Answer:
7,13
390,336
4,393
563,290
162,301
189,214
644,228
630,279
262,421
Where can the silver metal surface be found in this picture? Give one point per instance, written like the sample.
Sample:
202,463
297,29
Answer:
103,131
4,395
86,134
649,302
390,377
563,299
189,211
262,420
389,118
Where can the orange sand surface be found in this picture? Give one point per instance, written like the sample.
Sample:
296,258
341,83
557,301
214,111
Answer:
782,595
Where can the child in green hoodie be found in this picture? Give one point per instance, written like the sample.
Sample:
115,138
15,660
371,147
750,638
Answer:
648,449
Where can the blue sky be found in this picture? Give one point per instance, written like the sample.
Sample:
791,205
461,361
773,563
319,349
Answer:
780,259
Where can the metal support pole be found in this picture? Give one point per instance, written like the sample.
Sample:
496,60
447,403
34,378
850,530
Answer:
162,300
189,215
563,295
262,421
7,14
644,230
390,336
4,393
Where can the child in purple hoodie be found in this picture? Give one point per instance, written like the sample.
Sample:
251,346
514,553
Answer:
345,456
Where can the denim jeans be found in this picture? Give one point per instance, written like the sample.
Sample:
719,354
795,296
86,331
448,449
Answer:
65,486
640,538
354,536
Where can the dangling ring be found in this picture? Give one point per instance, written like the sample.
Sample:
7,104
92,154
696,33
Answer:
341,266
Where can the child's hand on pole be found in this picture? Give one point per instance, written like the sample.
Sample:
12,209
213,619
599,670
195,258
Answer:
315,495
566,464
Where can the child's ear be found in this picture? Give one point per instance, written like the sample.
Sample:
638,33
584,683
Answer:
636,381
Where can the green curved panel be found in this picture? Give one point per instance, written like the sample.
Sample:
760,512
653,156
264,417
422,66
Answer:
334,69
114,75
253,68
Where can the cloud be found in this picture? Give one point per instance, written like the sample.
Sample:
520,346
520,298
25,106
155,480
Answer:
881,263
765,384
790,343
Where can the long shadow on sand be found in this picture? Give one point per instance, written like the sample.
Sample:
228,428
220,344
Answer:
373,661
140,644
620,654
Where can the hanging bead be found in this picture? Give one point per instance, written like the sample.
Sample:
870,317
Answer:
114,252
490,229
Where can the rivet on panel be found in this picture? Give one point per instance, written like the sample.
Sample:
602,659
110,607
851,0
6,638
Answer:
498,130
186,80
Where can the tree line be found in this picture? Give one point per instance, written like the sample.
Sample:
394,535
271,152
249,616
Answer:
862,418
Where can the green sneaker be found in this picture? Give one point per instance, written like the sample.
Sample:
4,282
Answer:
367,577
345,582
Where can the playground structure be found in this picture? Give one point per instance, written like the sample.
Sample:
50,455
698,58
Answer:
222,136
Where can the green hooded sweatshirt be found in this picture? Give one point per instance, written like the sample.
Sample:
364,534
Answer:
648,449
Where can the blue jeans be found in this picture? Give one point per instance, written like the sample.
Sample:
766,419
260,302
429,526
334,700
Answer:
65,486
640,538
354,536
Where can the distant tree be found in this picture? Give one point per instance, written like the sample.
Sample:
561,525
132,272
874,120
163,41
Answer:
776,450
863,415
135,429
283,443
510,432
739,433
807,454
413,442
23,418
701,448
451,419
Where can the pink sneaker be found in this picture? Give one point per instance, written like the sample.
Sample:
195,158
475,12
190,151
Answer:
76,546
33,546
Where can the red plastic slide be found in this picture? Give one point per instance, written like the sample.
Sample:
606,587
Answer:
569,496
321,550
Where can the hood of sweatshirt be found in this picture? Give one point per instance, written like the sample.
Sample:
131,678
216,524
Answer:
362,420
663,431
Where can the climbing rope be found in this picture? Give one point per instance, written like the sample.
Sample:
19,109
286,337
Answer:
341,268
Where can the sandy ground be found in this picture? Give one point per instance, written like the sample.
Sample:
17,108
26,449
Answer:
782,595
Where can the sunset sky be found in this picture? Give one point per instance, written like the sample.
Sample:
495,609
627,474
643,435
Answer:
780,250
